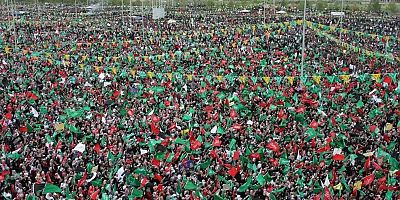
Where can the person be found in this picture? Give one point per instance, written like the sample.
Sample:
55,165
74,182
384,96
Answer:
101,108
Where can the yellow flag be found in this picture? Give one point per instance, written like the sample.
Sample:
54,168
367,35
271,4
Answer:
345,78
145,58
338,186
59,127
184,132
387,38
66,56
169,75
189,77
159,57
84,57
376,77
242,79
290,79
7,49
317,79
114,70
219,78
129,58
133,72
81,66
25,51
115,58
388,127
97,69
357,185
286,23
308,23
100,59
150,74
299,22
50,61
266,79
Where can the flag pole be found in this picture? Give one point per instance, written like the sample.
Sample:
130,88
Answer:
304,38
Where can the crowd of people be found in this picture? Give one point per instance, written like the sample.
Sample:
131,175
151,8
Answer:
205,107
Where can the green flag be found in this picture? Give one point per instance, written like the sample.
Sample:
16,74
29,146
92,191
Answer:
50,188
190,186
260,179
136,193
246,185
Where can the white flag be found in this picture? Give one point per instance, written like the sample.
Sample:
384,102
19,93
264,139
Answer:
120,173
214,130
34,112
79,147
326,183
142,151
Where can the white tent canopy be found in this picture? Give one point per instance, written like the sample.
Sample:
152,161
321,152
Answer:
171,21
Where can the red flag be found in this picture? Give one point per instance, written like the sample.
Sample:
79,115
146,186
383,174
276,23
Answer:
236,126
130,112
372,128
154,129
213,153
387,80
155,162
281,115
314,124
236,155
82,180
115,94
8,116
367,164
300,109
255,155
233,171
216,142
327,195
23,129
158,177
154,118
318,197
368,179
97,148
195,144
382,180
273,146
160,188
144,181
233,114
95,195
59,145
376,166
338,157
275,162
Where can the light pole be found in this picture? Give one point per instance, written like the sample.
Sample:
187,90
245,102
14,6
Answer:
264,11
304,40
273,2
340,23
122,11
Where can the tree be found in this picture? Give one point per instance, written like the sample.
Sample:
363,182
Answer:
374,6
321,5
392,8
283,3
